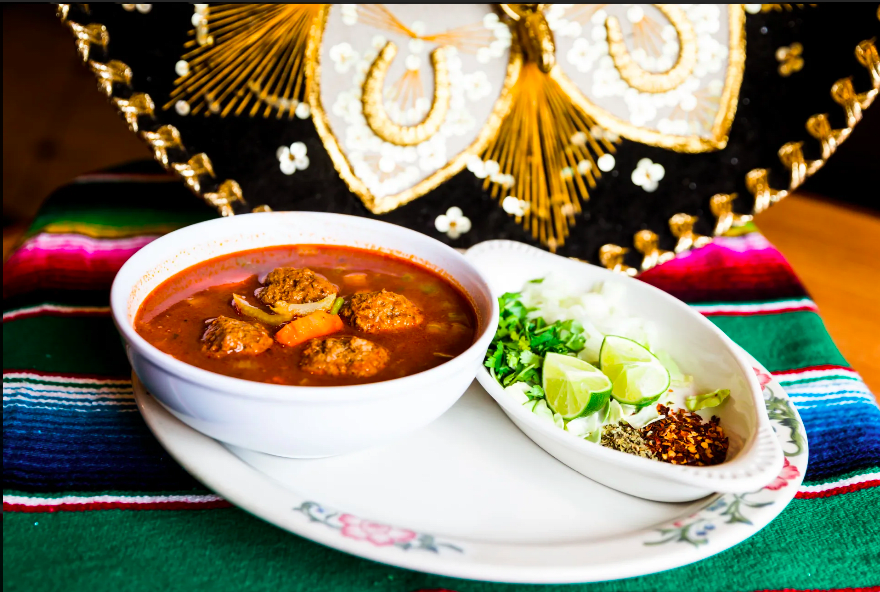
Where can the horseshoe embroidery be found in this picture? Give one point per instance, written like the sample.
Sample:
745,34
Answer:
374,109
655,82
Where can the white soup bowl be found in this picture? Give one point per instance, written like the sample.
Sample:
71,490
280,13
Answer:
297,421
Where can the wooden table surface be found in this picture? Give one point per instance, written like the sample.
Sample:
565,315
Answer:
834,248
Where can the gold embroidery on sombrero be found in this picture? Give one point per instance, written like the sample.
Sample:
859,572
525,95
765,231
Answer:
246,59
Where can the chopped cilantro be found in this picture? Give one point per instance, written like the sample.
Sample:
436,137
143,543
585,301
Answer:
520,344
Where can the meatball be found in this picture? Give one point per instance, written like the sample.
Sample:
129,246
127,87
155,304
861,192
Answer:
344,356
229,336
294,286
379,312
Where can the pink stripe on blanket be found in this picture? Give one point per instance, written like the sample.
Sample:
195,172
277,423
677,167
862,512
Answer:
745,267
69,261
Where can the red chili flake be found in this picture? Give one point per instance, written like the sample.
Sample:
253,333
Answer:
681,438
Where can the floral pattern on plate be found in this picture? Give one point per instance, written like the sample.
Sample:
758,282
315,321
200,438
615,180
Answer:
694,529
379,535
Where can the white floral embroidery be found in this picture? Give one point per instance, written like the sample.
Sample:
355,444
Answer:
640,107
292,158
475,165
349,14
297,150
556,12
458,123
477,85
514,206
677,127
711,55
357,137
571,29
688,102
648,175
582,55
505,180
491,167
454,223
432,154
347,104
343,57
502,32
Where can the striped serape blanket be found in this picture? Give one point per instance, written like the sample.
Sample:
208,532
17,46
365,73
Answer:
91,501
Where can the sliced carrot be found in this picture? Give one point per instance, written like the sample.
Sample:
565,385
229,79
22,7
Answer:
317,324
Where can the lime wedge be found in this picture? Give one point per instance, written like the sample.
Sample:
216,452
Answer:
637,376
573,387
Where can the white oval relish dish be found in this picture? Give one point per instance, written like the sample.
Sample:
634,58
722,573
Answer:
753,456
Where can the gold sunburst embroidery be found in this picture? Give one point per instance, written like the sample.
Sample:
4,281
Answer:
255,64
542,144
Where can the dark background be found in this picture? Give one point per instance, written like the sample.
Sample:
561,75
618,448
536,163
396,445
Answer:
56,125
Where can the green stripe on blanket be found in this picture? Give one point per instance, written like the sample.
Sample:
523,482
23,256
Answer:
220,549
784,341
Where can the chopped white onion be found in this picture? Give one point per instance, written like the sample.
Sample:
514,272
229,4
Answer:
304,309
599,310
518,391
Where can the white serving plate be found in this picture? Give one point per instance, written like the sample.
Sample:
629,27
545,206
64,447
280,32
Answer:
701,350
471,496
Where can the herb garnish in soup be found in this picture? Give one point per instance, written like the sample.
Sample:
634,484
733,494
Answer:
308,315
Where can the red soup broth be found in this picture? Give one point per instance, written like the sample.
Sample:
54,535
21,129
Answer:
174,315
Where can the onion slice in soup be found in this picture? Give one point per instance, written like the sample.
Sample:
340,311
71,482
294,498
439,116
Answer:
242,306
284,312
301,310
